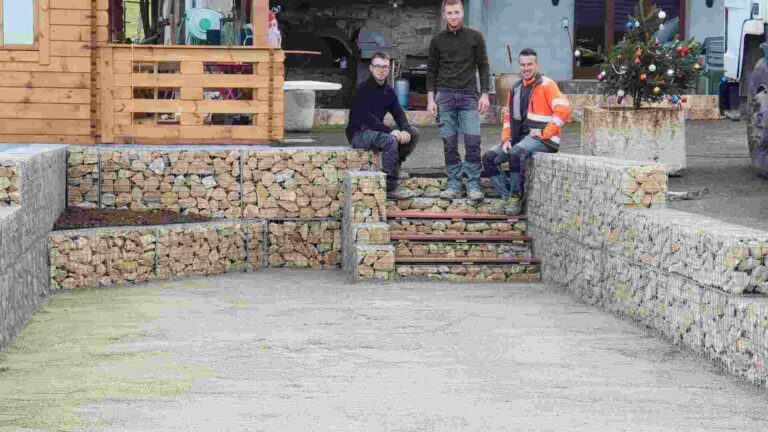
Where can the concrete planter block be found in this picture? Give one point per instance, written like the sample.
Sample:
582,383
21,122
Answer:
299,110
648,134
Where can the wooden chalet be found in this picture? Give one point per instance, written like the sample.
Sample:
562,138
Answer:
65,82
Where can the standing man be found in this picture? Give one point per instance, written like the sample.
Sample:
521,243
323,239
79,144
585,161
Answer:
537,111
374,98
455,55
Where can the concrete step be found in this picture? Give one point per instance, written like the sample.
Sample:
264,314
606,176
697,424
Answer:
470,272
462,252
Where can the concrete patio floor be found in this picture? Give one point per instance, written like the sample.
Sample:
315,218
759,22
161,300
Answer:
292,350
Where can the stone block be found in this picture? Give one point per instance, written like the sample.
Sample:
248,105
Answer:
299,110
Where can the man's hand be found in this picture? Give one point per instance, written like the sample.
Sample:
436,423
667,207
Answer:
402,137
397,134
535,133
431,104
505,146
432,108
483,103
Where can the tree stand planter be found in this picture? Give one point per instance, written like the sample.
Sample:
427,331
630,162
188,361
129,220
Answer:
647,134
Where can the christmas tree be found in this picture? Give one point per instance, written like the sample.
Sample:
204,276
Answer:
646,69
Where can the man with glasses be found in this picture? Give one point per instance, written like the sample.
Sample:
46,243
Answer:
456,55
366,130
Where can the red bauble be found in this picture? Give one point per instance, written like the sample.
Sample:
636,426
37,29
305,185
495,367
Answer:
637,61
657,42
638,52
599,77
684,99
679,49
643,77
701,61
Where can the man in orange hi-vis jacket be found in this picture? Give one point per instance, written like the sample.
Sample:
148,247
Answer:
537,111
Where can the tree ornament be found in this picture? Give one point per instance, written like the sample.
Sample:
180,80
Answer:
630,24
679,49
600,77
643,77
662,15
657,42
620,93
723,79
637,61
696,66
637,24
623,69
701,61
675,99
661,26
671,72
652,67
656,90
684,99
639,52
577,53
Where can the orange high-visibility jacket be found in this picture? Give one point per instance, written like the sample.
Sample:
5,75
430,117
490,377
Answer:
548,110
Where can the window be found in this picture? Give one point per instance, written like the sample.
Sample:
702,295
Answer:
18,22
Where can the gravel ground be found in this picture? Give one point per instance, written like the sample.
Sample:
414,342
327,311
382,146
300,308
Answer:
718,160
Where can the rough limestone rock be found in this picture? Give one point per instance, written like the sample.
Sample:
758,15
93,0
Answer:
299,110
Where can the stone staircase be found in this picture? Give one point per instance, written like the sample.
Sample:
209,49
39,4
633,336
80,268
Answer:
458,240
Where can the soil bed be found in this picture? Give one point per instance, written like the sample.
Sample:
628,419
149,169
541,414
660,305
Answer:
76,218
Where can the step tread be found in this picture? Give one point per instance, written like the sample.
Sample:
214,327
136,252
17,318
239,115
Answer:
467,261
459,238
416,214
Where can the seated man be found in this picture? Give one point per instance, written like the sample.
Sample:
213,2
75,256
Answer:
366,130
537,110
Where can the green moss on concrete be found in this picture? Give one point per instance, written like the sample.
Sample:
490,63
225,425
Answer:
74,353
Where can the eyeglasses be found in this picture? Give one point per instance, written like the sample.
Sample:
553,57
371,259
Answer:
381,67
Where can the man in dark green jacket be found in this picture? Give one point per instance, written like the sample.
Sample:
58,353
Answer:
455,55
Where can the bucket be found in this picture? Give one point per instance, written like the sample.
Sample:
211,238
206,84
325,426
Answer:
402,88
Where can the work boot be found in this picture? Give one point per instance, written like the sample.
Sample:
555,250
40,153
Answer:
403,175
474,190
400,193
454,183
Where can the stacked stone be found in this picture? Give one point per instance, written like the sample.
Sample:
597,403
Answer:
443,227
82,258
475,273
367,254
678,273
83,177
9,185
188,181
200,250
437,205
461,250
431,187
314,244
106,256
299,183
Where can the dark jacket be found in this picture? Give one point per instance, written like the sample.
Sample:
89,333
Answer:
371,103
454,58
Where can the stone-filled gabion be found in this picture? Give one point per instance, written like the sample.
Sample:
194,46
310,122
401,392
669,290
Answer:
365,194
437,205
314,244
83,258
475,273
188,181
106,256
9,185
302,183
373,262
447,227
682,274
462,250
82,177
200,250
431,187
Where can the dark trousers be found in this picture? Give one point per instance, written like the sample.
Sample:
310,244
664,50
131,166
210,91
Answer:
392,153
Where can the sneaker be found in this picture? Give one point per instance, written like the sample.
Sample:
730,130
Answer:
450,194
403,175
475,195
400,193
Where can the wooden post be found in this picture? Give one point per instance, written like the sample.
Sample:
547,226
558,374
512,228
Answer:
260,21
43,32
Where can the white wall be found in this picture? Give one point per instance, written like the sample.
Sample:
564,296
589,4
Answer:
521,24
704,22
